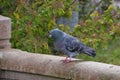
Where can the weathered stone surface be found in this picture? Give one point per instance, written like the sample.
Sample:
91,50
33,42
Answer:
4,44
12,75
5,27
48,65
5,32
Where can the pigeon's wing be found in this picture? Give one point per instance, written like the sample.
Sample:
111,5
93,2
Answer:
72,44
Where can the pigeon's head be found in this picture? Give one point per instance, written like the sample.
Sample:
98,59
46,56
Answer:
56,34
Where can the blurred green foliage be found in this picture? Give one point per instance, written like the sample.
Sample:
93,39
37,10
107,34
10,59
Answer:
99,29
33,19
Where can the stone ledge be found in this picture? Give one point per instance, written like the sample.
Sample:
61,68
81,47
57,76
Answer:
48,65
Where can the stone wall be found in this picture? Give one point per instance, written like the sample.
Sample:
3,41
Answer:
21,65
15,75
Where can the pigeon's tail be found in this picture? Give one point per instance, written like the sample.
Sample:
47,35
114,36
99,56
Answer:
89,51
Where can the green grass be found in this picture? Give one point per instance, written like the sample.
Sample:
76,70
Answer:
111,55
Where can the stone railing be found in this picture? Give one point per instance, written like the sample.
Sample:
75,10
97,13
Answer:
20,65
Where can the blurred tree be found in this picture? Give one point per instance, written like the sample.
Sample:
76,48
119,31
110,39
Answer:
86,7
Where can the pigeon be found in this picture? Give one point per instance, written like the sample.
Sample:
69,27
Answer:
69,45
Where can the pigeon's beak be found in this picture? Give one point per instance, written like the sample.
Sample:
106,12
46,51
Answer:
50,35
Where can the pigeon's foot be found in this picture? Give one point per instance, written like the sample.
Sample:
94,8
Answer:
67,60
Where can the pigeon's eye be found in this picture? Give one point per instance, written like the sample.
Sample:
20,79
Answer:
50,35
